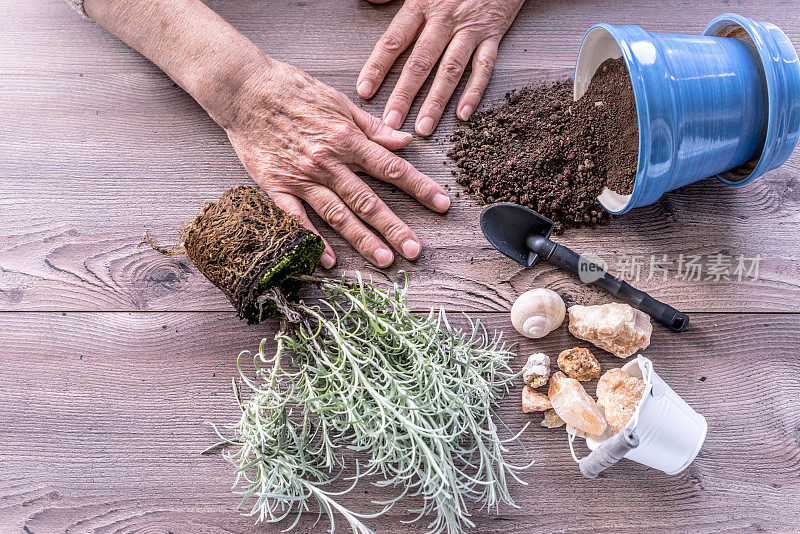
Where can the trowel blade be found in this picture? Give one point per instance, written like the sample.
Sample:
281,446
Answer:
507,226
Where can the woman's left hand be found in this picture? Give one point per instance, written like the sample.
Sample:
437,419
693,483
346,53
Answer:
448,29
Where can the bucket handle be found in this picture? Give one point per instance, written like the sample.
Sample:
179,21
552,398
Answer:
608,453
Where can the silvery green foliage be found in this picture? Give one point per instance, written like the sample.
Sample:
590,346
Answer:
415,395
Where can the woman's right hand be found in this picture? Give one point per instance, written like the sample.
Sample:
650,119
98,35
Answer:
299,139
302,140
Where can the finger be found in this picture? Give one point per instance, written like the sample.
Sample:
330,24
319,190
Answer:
451,68
335,212
378,131
294,206
482,65
383,165
397,37
426,52
372,210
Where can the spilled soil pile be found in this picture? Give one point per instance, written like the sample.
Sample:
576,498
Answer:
544,151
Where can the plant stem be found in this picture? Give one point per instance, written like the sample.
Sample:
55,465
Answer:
413,393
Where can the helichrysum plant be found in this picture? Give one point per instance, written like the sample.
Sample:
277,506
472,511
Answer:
355,374
361,372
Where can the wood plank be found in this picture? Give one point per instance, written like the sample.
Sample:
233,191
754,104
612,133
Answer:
102,423
87,180
46,36
61,267
102,412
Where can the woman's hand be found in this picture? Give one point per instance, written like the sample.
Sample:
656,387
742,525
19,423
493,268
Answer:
298,138
301,140
448,29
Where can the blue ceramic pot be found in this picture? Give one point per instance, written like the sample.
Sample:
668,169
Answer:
725,103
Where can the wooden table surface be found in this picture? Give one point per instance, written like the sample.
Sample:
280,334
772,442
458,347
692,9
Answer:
113,360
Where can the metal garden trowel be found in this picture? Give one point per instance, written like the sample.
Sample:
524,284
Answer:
524,235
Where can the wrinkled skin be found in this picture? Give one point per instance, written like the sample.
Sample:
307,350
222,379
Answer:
448,29
301,140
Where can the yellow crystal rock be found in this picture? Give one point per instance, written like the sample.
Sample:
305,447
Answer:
533,401
574,405
619,394
579,363
551,419
617,328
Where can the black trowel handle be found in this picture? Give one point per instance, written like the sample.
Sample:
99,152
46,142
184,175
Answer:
591,273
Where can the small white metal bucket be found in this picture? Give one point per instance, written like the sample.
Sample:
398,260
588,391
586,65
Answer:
669,432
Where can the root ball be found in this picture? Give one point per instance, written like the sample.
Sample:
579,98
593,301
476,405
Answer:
244,244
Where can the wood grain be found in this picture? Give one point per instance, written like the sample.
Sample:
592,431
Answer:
57,266
113,360
103,421
105,151
46,36
87,181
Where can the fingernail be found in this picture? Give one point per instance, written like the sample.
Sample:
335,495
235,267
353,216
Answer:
400,136
410,249
365,89
466,112
441,202
327,261
393,119
384,257
425,126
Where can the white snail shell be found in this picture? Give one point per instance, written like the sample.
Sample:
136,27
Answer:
537,312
